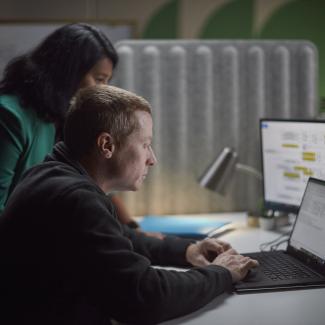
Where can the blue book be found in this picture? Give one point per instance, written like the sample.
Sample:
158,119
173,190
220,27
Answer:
191,227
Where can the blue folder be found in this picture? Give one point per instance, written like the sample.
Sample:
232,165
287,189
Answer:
191,227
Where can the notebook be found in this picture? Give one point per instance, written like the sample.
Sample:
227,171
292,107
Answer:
302,264
184,226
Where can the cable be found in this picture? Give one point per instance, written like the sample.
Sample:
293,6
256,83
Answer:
274,247
274,244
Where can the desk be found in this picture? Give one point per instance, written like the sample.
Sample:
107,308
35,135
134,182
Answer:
296,307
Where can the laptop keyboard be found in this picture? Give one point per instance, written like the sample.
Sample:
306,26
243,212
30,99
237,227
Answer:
281,267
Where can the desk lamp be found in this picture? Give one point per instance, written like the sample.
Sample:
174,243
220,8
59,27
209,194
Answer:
218,174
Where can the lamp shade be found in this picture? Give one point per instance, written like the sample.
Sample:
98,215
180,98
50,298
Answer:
218,174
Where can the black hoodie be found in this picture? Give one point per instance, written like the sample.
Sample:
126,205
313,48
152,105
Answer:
65,258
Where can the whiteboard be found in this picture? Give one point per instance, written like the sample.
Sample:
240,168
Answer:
18,38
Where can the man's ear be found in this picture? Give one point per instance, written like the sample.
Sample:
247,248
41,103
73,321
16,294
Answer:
105,144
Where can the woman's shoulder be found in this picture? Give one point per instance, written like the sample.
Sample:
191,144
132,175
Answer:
10,104
12,114
19,119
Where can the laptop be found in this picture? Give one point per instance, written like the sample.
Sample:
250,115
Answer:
302,264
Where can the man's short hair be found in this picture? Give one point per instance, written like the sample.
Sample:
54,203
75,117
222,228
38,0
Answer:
100,109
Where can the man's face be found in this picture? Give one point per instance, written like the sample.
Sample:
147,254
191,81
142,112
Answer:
135,156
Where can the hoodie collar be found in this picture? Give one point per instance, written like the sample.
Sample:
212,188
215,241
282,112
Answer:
62,153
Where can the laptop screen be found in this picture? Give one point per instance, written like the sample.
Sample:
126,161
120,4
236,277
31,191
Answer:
308,234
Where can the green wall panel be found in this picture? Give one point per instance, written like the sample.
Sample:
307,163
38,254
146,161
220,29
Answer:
233,20
164,23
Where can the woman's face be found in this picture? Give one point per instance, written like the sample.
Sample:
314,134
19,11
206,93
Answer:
99,74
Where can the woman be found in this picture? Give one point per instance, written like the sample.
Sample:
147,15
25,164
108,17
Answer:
36,92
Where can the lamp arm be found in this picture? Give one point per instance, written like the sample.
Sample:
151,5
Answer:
250,170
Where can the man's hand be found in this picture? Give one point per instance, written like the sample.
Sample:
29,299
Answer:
238,265
204,252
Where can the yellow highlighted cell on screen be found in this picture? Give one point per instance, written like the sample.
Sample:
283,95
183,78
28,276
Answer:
291,175
290,145
310,156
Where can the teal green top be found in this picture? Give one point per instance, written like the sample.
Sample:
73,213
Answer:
25,140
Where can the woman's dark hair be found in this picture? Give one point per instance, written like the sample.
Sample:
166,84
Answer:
46,78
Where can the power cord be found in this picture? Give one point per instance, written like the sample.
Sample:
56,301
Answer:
274,244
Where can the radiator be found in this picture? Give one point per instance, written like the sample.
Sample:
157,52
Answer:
207,95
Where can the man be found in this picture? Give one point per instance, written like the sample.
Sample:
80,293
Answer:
65,258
